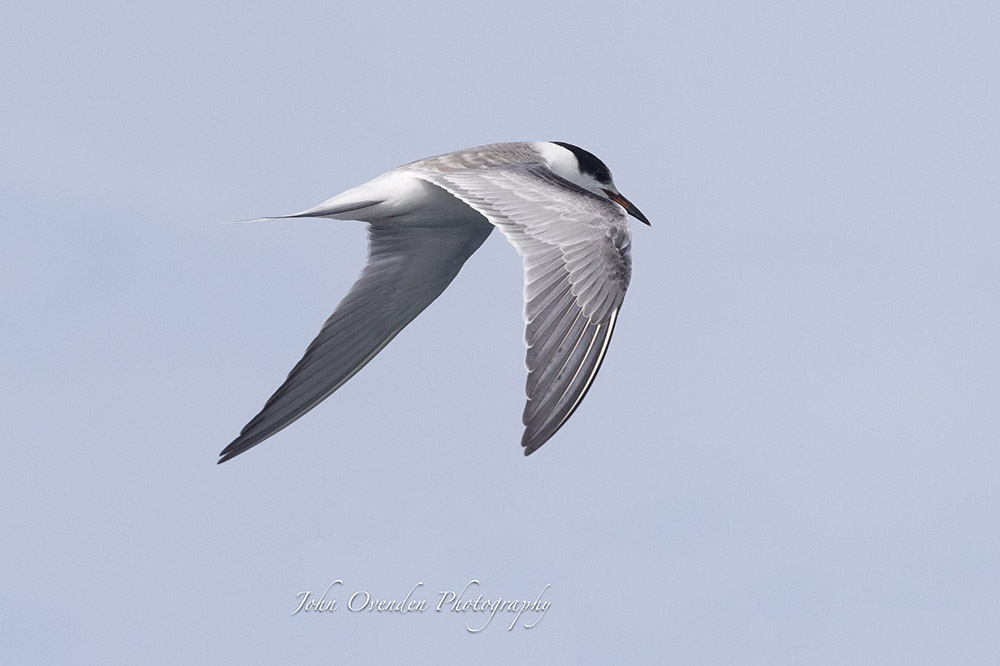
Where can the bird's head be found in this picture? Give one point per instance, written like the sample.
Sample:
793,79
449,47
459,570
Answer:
585,169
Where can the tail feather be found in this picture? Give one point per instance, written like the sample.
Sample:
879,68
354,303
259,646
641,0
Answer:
326,209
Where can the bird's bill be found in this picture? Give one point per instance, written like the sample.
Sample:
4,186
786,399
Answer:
628,206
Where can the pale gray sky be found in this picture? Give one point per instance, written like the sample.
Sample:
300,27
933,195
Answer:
790,455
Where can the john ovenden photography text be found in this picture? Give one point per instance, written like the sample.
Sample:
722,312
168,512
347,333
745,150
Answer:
466,601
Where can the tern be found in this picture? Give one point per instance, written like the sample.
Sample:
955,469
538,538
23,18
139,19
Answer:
557,205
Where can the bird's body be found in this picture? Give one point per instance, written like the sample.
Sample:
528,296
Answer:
554,202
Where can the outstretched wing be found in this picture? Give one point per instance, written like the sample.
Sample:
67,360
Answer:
574,247
408,267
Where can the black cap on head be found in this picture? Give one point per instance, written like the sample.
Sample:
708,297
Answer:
589,163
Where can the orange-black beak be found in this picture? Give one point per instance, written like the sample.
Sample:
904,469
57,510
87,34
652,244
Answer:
628,206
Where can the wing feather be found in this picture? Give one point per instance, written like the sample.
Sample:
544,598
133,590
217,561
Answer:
408,267
575,252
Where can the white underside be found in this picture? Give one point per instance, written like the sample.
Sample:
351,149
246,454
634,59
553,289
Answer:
404,199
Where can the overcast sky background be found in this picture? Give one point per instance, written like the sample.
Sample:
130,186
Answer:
790,456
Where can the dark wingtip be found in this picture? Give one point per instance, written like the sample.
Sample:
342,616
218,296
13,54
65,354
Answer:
235,448
531,443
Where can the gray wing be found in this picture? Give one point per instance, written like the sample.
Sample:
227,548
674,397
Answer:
408,267
574,247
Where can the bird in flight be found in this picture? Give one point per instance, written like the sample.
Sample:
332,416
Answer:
557,205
